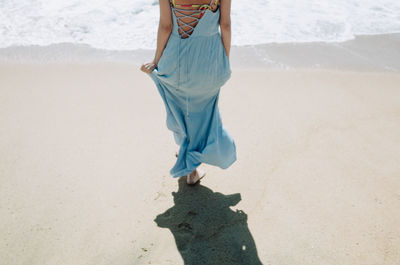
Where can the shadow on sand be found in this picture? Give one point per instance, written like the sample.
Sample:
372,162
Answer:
206,230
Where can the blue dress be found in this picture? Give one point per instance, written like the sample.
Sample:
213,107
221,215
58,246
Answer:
188,76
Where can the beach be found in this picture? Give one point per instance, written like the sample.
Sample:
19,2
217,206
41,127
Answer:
85,159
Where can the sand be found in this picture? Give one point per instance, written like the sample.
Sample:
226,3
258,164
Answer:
85,156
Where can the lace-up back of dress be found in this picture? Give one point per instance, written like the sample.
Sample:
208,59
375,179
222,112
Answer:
188,16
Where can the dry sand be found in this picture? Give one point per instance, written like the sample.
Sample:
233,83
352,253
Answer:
85,155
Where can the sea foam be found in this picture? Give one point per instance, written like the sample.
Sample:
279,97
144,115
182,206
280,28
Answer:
132,24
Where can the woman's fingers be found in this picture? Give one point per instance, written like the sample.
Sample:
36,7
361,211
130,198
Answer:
148,67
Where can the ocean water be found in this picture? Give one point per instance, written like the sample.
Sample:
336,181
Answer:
132,24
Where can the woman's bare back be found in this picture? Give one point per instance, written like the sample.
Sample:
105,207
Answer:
189,13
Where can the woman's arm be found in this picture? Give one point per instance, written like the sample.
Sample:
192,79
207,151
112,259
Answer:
225,24
164,28
164,32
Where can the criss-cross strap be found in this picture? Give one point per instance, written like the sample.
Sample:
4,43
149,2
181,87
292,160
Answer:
200,11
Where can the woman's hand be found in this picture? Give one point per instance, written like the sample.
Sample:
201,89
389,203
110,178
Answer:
148,67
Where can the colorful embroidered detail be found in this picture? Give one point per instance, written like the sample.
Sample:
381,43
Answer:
201,11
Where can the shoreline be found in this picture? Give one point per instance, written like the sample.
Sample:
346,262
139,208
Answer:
364,53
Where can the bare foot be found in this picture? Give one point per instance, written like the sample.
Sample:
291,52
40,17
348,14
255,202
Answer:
195,176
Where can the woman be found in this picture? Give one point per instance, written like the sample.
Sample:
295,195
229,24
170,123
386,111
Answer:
191,63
